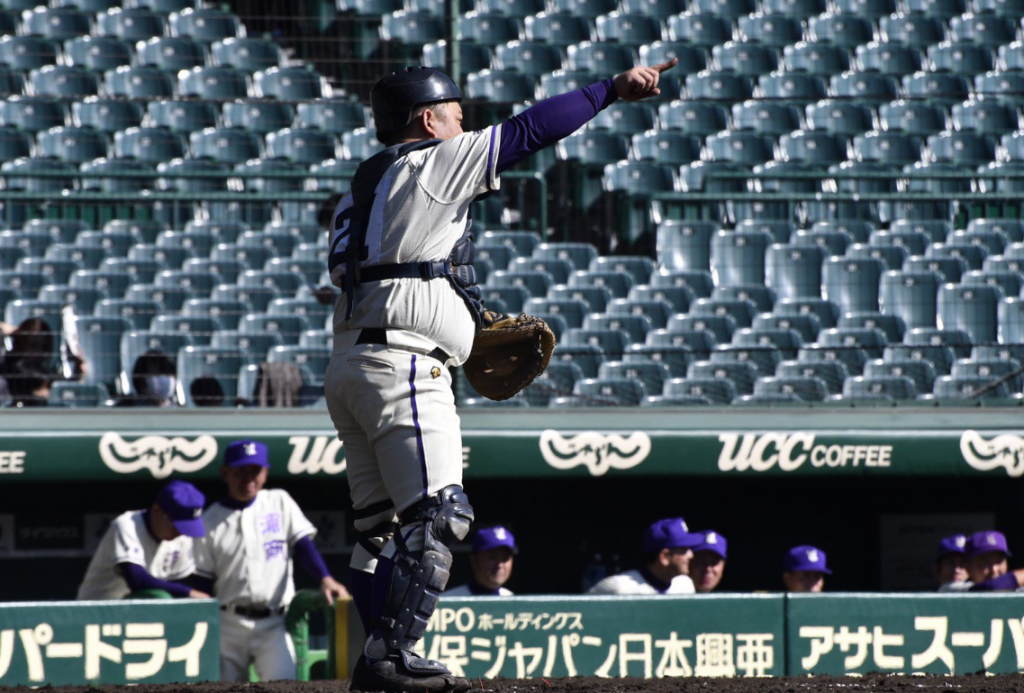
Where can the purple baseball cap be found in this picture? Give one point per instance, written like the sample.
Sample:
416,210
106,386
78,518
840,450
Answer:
670,533
242,452
493,538
183,503
804,559
955,544
987,542
712,541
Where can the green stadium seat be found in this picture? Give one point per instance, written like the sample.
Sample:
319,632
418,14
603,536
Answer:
912,117
206,25
360,144
214,82
97,53
141,271
290,84
610,391
721,326
872,9
804,389
851,357
740,374
100,339
600,58
916,30
697,342
20,310
985,29
301,145
816,58
958,340
258,116
915,242
472,57
921,372
974,255
869,86
961,57
140,82
487,28
738,147
887,387
699,389
104,114
722,87
841,29
226,145
650,374
1005,87
66,393
557,28
246,54
768,29
995,369
1011,56
813,147
831,373
55,23
135,343
587,357
585,8
131,24
172,53
889,148
222,365
332,116
138,314
676,358
257,298
72,144
505,299
950,387
694,117
699,29
971,308
852,283
766,117
563,81
892,257
628,29
200,284
938,356
1011,321
889,58
183,116
937,8
255,345
1012,229
64,82
611,342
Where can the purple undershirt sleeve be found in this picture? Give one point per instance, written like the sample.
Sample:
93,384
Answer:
1007,581
551,120
138,578
310,559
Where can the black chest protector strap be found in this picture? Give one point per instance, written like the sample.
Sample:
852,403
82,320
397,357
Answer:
457,267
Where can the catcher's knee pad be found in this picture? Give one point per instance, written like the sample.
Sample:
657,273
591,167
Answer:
419,577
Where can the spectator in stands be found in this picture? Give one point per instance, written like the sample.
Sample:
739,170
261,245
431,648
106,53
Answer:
950,562
149,549
708,563
154,382
207,392
28,366
667,550
804,569
492,554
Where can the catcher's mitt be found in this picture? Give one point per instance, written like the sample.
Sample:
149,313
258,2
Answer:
508,353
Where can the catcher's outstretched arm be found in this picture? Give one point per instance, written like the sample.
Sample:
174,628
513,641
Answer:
558,117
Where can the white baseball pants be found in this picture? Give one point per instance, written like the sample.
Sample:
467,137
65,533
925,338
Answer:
263,641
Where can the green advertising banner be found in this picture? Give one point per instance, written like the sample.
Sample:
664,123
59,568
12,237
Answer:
651,637
529,445
905,633
59,643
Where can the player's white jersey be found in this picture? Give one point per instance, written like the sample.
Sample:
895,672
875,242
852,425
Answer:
420,209
959,586
633,582
129,541
247,552
464,591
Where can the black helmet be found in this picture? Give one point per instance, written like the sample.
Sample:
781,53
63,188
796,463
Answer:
394,97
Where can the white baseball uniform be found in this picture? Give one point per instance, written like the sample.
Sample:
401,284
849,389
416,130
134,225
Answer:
634,582
247,553
465,591
128,540
393,405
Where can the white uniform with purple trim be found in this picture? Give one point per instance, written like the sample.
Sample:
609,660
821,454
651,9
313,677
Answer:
633,582
393,405
247,553
128,540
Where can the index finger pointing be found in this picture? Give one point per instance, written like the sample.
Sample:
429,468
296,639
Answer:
666,66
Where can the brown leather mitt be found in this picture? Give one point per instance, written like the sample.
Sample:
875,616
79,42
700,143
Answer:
508,353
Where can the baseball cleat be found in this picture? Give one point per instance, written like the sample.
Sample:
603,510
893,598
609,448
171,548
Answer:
386,676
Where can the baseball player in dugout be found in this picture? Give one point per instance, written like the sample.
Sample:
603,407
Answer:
402,252
245,559
950,565
668,549
149,549
804,569
987,565
493,551
707,567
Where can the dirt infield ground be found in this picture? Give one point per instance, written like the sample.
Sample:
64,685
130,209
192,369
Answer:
873,683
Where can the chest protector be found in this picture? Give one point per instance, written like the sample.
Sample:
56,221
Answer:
457,268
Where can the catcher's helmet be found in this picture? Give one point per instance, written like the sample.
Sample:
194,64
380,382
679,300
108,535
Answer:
394,97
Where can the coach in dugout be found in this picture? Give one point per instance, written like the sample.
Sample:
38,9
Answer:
493,550
804,569
149,549
668,548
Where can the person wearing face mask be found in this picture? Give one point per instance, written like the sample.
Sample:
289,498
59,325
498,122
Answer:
252,536
154,381
149,549
493,552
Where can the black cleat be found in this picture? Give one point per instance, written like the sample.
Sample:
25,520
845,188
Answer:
389,676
